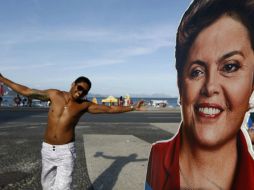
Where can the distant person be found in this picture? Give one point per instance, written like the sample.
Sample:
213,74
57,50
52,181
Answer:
29,102
1,89
58,150
24,100
17,100
1,99
250,119
127,101
215,68
131,102
120,101
251,133
250,126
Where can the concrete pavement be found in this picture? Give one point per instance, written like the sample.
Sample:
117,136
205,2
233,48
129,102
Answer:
119,161
104,148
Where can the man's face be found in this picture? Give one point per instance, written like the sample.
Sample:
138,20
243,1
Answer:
79,90
217,82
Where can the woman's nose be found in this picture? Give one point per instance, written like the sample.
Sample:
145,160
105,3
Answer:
211,84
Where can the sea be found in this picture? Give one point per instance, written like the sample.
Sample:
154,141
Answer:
172,102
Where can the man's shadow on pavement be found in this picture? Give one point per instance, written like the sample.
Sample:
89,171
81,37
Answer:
108,178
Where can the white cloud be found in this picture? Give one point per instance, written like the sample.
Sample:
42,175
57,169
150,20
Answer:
122,44
163,35
93,63
22,67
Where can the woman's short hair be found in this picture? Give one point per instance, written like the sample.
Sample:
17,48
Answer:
201,14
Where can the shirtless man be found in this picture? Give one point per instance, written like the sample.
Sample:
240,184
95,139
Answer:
58,150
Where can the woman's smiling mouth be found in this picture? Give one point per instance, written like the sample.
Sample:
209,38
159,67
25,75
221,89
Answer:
208,110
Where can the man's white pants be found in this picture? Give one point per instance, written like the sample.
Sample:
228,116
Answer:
57,166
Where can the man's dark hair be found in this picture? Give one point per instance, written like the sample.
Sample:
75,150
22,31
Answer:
203,13
83,79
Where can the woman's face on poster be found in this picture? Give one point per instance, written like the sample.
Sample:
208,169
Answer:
217,82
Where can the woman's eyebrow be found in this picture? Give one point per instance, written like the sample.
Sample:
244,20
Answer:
198,62
229,54
223,57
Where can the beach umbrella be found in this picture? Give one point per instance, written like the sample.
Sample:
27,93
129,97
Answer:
110,99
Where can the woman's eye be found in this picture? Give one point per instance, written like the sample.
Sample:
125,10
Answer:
231,67
196,73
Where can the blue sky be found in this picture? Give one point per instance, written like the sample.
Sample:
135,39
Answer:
123,46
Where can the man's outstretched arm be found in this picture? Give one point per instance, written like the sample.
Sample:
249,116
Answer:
25,91
97,108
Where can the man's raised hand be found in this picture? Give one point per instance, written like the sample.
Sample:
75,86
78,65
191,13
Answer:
138,106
